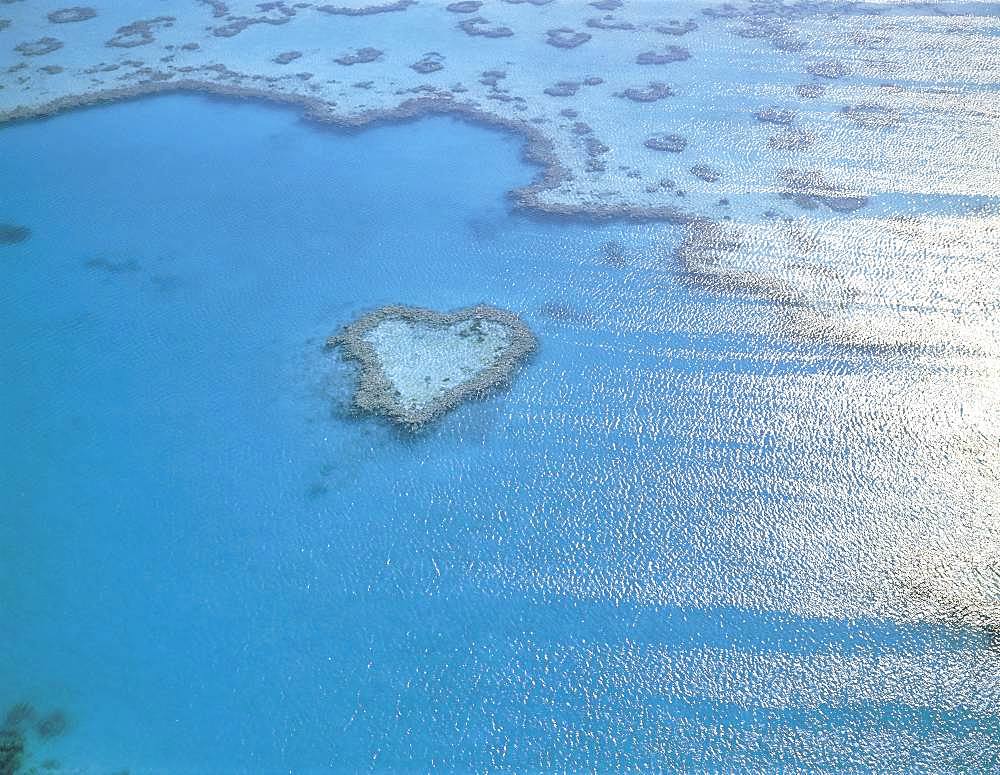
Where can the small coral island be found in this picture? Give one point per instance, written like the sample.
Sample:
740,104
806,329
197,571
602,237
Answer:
416,363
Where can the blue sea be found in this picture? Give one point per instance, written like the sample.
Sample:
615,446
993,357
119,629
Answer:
664,548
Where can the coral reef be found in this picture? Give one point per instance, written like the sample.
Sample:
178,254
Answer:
609,23
790,140
361,56
810,91
11,233
78,13
11,751
706,173
563,89
565,37
668,55
871,115
677,27
18,714
286,57
775,115
417,364
808,189
430,62
367,10
480,27
828,68
671,143
653,91
138,33
40,47
53,724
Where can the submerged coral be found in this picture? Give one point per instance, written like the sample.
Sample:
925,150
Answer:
18,714
53,724
871,115
563,89
11,751
790,140
775,115
361,56
706,173
11,233
672,143
480,27
653,91
367,10
77,13
677,27
40,47
565,37
668,55
809,189
138,33
430,62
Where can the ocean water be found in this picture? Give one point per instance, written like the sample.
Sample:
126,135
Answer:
673,544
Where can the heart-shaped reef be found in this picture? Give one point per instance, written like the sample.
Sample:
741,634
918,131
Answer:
417,364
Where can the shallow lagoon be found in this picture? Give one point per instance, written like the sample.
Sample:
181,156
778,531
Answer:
672,543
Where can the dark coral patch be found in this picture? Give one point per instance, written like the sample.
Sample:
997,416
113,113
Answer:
871,115
139,33
480,27
52,725
667,142
677,27
78,13
652,92
563,89
286,57
706,173
828,68
790,140
810,91
11,751
18,714
11,234
112,267
430,62
367,10
361,56
565,37
668,55
808,189
609,23
465,6
775,115
40,47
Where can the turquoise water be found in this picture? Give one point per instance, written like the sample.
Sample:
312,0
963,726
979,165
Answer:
653,552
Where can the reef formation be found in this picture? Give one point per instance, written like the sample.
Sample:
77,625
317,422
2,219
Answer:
416,364
862,109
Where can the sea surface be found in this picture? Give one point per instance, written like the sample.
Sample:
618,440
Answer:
673,544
